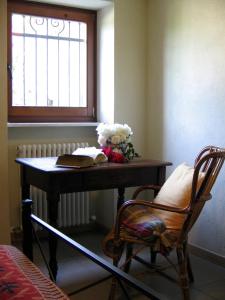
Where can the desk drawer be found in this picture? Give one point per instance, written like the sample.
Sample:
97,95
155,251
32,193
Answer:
68,183
120,178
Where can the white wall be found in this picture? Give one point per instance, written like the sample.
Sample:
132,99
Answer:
105,61
4,200
186,93
130,68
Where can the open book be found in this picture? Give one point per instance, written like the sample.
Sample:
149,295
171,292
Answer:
81,158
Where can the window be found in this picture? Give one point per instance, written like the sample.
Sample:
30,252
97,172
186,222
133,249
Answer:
51,63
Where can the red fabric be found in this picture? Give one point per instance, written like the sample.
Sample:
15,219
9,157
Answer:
14,284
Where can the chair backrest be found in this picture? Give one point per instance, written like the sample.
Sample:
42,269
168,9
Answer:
209,162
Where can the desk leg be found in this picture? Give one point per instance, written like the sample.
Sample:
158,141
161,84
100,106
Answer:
27,229
161,176
27,242
53,200
120,200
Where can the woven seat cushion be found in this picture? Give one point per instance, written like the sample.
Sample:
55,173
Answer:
21,279
138,222
138,225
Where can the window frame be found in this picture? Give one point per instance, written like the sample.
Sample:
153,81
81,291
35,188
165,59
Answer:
25,114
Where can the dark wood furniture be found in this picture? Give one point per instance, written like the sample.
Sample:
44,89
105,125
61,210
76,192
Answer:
42,173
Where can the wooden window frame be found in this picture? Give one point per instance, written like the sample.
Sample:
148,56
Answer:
26,114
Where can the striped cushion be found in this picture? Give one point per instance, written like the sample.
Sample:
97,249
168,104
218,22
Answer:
139,226
138,222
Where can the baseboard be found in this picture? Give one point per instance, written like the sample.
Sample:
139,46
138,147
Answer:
208,255
101,228
16,235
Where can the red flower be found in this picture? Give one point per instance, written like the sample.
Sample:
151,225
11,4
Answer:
117,157
107,151
113,156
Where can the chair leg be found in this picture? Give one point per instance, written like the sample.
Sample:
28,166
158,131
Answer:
153,256
189,269
182,263
129,251
113,289
114,282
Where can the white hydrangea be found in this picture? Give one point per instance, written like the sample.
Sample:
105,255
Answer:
117,139
113,133
102,140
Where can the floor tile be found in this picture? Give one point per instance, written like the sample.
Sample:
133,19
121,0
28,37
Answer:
215,289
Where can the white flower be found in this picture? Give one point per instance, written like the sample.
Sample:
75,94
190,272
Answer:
123,129
102,140
128,130
113,133
116,139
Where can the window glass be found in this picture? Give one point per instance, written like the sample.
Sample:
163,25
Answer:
52,63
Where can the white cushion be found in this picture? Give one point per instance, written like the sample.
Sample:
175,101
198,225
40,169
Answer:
176,191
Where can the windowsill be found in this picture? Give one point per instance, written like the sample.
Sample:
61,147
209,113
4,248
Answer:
30,125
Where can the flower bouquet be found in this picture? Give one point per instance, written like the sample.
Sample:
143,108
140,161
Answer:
115,142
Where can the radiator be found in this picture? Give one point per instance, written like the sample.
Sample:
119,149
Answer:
73,208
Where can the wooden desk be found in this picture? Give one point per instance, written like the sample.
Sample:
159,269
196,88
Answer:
42,173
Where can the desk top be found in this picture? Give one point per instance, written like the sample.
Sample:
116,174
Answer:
45,175
47,164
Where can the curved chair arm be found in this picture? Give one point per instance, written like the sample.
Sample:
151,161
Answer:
178,210
204,198
155,188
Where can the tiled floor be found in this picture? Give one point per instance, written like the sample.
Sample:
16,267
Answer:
76,271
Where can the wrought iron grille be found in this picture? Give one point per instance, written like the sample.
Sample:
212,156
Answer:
49,62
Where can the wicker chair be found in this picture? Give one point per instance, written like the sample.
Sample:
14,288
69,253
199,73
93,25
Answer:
164,223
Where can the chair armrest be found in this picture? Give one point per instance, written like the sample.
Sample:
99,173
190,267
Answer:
153,205
204,198
178,210
155,188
